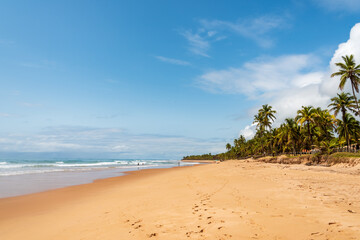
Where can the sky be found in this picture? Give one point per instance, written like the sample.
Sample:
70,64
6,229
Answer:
162,79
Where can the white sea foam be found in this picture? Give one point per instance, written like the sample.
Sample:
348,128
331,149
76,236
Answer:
31,167
85,164
13,173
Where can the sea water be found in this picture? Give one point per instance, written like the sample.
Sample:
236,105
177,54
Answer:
24,176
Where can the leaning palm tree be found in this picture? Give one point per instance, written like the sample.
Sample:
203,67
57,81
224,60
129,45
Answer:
349,70
306,116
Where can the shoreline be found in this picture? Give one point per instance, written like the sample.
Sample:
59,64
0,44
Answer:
200,161
77,191
230,200
18,185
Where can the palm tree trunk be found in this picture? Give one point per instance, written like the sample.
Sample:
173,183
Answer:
309,132
356,101
343,110
262,144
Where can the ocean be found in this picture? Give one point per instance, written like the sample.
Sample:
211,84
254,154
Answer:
24,176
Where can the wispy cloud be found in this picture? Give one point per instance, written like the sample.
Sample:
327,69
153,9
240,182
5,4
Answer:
112,81
257,29
115,141
40,64
5,115
199,43
339,5
108,116
172,61
6,42
30,105
209,31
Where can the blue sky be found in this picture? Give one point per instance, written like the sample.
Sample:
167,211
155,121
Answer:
161,79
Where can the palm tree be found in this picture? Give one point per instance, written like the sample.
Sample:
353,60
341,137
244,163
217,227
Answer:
263,120
343,102
349,127
349,70
258,120
354,128
325,123
228,146
267,114
293,131
306,116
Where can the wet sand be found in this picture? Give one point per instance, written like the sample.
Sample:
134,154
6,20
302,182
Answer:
230,200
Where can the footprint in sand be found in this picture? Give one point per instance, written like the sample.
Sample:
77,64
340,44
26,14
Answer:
138,221
152,235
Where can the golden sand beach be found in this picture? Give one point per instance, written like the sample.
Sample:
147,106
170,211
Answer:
230,200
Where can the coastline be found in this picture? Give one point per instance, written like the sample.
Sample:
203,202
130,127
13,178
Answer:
46,179
200,161
230,200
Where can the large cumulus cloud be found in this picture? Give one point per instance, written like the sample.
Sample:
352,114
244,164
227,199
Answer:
285,82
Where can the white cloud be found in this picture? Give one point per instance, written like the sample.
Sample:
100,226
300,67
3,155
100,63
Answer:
249,131
118,142
287,82
172,61
209,31
199,45
336,5
263,75
256,29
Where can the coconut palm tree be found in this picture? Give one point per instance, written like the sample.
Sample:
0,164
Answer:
294,135
289,136
306,116
349,70
267,114
349,127
343,102
228,146
325,123
264,118
259,121
354,128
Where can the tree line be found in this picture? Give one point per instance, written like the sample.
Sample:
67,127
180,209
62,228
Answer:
312,129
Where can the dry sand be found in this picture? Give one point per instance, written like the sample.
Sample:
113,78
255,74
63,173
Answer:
230,200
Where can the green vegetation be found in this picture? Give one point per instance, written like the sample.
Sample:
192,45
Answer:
312,130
